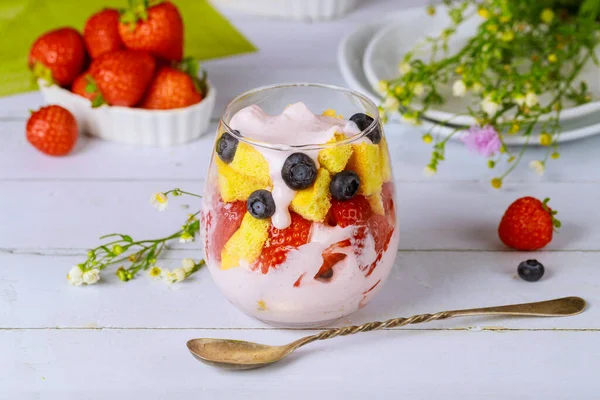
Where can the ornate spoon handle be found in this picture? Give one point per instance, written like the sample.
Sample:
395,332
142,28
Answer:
551,308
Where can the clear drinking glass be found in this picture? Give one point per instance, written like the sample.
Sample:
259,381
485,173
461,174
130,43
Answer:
329,255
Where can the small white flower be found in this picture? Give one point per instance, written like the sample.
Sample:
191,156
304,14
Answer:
531,99
186,238
160,201
168,276
179,274
155,273
477,88
459,89
538,166
489,106
404,68
428,171
188,264
91,276
519,100
75,276
419,89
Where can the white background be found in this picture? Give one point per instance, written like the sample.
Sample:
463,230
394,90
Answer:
128,340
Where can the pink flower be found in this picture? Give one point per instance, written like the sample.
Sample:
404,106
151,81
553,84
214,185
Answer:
483,140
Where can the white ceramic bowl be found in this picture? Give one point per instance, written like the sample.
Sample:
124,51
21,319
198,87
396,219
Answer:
293,9
161,128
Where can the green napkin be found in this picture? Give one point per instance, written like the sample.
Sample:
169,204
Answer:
207,33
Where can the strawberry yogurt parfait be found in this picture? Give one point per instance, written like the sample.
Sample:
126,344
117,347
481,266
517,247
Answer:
299,220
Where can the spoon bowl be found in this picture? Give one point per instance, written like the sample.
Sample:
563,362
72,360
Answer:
237,354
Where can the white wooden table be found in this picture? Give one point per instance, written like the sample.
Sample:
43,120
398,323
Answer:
128,340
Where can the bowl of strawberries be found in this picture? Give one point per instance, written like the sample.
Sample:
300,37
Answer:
125,78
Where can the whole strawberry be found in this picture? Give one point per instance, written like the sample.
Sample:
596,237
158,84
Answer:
52,130
58,56
172,88
157,29
528,224
122,76
101,33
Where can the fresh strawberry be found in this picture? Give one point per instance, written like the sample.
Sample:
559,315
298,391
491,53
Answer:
528,224
52,130
101,33
380,228
123,76
281,241
58,56
157,29
171,88
227,219
350,212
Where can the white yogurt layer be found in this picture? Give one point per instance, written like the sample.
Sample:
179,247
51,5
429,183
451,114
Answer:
273,298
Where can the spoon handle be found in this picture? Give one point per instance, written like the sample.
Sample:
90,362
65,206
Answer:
558,307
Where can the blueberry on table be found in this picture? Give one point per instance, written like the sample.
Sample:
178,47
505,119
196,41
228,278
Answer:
226,147
344,185
531,270
261,204
363,121
299,171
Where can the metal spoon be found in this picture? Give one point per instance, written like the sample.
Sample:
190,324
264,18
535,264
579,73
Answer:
238,354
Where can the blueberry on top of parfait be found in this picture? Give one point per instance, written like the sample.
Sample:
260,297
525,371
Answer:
344,185
363,121
299,171
260,204
227,146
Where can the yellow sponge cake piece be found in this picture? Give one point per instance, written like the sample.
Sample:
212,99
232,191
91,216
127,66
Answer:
366,162
334,159
246,243
234,186
386,167
376,203
249,162
313,203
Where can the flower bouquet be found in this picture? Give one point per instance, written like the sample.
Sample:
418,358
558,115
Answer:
520,67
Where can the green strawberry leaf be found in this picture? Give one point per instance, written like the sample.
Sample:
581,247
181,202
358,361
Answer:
40,71
191,66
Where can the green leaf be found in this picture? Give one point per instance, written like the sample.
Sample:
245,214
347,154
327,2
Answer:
127,238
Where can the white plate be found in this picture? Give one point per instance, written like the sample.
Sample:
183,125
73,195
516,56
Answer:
388,47
351,51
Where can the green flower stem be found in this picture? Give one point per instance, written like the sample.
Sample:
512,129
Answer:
140,254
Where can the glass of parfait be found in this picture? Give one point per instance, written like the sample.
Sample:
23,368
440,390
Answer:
299,217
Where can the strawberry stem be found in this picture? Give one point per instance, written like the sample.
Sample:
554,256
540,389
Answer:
555,221
92,88
40,71
137,10
192,67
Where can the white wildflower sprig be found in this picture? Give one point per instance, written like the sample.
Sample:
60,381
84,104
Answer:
140,255
188,267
